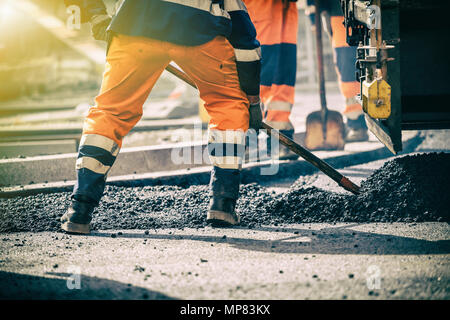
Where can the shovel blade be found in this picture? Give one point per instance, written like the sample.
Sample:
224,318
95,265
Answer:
334,131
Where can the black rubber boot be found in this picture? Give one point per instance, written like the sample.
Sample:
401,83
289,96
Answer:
224,188
222,213
78,217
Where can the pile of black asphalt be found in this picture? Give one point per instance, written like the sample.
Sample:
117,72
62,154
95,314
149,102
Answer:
411,188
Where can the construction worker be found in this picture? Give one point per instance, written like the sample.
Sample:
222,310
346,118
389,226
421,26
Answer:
276,23
345,62
214,42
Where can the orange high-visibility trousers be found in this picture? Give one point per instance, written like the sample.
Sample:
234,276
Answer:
134,64
276,25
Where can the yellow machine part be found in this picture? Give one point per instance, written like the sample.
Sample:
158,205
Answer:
376,96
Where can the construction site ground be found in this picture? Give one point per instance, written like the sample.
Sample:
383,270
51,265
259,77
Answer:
300,261
373,260
301,236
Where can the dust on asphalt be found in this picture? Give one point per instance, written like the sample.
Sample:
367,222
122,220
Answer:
406,189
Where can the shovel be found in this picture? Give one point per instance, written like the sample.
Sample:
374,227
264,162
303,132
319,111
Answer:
325,128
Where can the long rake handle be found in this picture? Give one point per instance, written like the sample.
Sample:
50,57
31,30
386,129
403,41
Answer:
292,145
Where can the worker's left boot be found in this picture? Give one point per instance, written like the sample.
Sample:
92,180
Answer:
357,130
224,188
78,217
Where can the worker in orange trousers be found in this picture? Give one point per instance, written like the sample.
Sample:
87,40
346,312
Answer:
214,42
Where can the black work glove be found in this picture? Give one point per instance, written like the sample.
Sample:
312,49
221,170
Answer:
99,24
256,116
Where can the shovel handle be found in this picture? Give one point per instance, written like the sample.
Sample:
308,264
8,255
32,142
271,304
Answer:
180,74
292,145
319,52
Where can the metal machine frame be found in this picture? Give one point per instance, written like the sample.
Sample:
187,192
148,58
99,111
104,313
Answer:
406,48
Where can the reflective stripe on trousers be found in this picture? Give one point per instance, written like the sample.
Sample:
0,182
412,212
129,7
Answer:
96,155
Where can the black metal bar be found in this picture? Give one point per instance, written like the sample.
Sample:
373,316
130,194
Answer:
292,145
314,160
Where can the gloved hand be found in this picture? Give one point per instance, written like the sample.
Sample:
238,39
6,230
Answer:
255,112
99,24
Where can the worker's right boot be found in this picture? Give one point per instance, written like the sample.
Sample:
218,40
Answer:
222,212
224,188
78,217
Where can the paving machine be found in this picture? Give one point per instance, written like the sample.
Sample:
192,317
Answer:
402,64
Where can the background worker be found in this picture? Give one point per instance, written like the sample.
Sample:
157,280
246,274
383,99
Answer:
276,23
345,60
214,42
